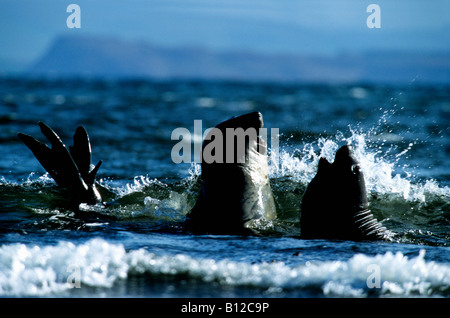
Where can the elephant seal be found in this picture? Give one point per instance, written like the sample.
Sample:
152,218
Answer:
70,170
335,204
235,188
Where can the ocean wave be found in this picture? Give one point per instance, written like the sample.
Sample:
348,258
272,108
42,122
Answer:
58,270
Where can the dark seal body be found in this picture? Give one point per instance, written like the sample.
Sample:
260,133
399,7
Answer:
335,204
233,192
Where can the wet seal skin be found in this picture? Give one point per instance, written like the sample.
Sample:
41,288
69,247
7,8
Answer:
335,204
70,170
236,191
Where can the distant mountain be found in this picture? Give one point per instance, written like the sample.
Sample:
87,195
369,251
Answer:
99,56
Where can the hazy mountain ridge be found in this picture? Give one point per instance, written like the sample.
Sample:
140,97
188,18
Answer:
100,56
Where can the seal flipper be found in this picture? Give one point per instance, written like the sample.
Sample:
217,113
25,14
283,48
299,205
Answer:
63,166
61,161
81,151
42,153
90,178
81,155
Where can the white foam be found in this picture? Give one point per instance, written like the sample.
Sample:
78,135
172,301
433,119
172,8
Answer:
139,183
53,270
36,271
379,172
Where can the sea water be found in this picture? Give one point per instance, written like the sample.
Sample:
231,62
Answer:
137,245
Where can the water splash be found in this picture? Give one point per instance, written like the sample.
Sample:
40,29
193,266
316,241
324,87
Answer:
380,169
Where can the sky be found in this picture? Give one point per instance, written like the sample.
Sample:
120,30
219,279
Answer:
28,27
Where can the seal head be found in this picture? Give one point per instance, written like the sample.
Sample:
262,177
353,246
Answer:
235,185
335,204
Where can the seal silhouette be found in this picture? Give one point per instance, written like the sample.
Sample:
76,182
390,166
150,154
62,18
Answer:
234,192
335,204
71,170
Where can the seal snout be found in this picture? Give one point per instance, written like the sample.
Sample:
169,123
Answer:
345,156
253,120
345,151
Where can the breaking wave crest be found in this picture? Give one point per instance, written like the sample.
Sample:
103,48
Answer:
67,267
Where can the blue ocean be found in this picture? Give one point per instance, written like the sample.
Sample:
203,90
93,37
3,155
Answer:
138,247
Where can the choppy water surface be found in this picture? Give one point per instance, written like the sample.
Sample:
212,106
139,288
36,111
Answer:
137,245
